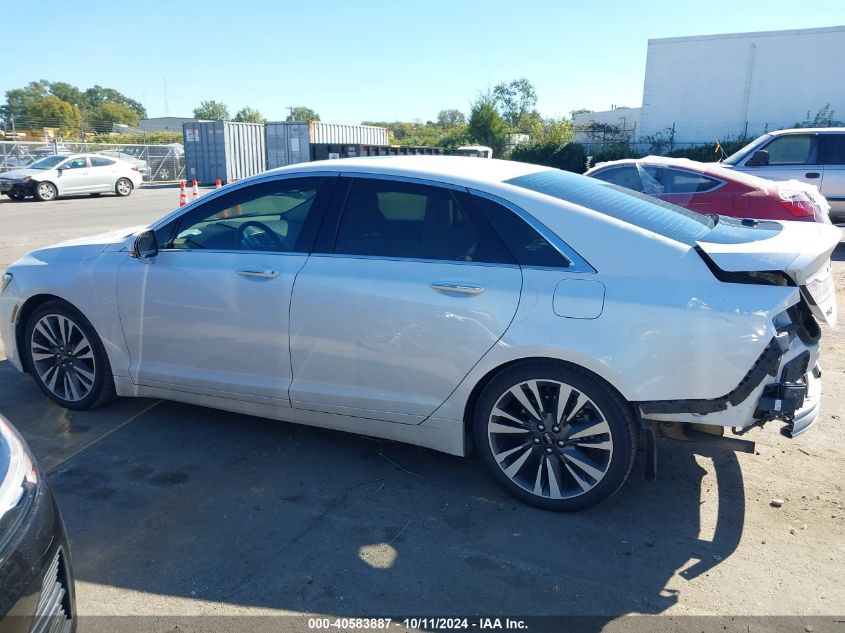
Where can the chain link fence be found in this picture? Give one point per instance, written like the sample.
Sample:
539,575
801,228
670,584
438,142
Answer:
157,163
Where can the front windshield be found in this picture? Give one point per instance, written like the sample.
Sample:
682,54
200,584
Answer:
737,156
47,162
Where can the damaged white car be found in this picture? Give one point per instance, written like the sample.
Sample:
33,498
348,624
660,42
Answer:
545,319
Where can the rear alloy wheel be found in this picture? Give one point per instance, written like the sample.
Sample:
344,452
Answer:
123,187
17,193
554,436
45,191
66,357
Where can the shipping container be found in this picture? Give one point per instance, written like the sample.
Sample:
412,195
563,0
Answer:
288,142
223,149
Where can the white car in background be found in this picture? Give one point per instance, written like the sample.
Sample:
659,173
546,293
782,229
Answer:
545,318
70,174
139,164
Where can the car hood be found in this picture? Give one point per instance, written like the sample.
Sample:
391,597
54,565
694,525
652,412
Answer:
82,248
17,174
802,250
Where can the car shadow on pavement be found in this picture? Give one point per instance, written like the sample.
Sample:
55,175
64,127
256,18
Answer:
188,502
839,253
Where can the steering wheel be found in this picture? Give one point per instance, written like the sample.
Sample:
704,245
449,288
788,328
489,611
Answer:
262,239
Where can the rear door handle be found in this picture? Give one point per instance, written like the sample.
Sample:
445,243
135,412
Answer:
811,174
261,273
466,289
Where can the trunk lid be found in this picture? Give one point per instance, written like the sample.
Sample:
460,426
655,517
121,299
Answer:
802,250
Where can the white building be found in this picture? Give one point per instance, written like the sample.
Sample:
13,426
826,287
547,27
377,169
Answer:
718,86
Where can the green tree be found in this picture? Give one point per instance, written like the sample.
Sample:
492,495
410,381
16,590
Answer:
98,95
19,101
212,111
515,100
50,111
249,115
450,119
69,94
301,113
486,125
107,113
556,131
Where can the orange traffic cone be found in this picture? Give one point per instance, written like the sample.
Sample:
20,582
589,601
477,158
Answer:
183,194
218,184
196,192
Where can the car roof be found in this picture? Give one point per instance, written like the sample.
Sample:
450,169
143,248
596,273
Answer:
461,170
807,130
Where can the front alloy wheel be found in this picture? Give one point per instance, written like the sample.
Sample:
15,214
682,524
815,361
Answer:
67,358
554,436
45,191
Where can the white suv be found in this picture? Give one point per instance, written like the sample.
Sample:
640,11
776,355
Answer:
812,155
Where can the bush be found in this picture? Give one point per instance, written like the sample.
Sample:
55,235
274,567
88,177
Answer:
567,156
708,153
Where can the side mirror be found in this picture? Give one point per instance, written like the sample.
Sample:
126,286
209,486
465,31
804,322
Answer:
760,158
145,245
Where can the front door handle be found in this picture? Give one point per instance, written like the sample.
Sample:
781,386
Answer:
812,174
466,289
261,273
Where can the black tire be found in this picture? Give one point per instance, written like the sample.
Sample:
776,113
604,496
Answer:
17,193
123,187
573,462
45,191
101,389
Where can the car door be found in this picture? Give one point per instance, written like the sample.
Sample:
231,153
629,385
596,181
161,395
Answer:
209,314
407,289
104,173
791,157
833,157
74,176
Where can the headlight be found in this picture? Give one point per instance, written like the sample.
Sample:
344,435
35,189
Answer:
16,468
7,279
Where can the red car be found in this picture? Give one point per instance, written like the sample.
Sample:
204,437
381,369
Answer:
710,188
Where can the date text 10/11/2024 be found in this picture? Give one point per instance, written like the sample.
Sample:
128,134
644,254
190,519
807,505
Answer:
409,624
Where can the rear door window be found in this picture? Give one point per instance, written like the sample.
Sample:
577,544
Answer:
833,149
397,219
101,162
681,181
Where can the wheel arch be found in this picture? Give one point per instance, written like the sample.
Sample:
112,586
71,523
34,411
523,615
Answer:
29,306
475,393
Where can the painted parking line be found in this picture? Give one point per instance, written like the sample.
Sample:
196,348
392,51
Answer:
99,438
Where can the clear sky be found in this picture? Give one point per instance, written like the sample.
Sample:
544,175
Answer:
367,59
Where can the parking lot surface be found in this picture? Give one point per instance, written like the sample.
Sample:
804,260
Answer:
179,510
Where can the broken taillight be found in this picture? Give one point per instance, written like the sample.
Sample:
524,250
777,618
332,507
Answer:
800,205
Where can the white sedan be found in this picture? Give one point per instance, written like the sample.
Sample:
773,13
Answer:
545,318
70,174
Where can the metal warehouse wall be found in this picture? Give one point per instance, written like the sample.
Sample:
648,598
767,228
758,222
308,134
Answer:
713,86
223,149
